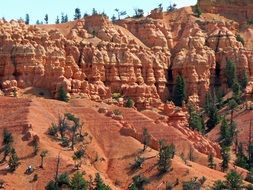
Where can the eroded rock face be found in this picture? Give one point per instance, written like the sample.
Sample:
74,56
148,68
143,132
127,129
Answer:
239,10
30,56
139,58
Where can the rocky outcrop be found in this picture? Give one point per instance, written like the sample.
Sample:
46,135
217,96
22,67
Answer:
239,10
138,58
33,57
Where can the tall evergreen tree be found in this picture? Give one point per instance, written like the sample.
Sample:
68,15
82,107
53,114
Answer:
77,14
195,120
179,91
225,158
232,104
211,163
227,133
78,182
234,180
241,158
230,73
100,185
57,21
27,19
198,11
166,153
46,18
243,79
66,18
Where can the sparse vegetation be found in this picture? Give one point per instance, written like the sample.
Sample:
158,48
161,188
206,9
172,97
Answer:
172,7
120,13
138,13
69,128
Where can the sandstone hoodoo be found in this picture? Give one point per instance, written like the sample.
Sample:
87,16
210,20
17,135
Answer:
159,100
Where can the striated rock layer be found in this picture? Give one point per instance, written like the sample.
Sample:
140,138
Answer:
139,58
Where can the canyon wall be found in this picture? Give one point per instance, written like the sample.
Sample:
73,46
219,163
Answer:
139,58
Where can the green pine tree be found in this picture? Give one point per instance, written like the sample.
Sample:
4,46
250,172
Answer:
78,182
179,91
225,158
211,163
230,73
100,185
166,153
195,121
241,158
62,94
243,79
77,14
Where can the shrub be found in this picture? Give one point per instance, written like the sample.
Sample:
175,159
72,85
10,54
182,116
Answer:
129,103
7,137
65,142
138,182
35,177
239,38
193,184
117,112
138,163
116,96
62,94
52,131
52,186
63,180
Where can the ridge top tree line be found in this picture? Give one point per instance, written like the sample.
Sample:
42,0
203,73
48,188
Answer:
138,13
